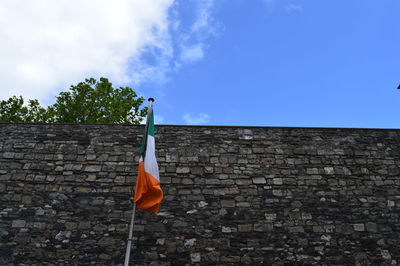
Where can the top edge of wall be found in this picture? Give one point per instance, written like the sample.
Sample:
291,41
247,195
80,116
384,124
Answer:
204,126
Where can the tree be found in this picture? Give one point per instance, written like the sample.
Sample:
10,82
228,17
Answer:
90,101
14,110
98,102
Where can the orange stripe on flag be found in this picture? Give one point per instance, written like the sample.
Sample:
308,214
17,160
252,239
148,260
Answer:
148,193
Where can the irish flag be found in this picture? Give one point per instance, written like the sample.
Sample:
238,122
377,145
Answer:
148,193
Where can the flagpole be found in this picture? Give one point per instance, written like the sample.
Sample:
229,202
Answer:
130,240
129,243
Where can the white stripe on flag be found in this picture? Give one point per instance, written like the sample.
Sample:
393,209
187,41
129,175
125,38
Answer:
150,162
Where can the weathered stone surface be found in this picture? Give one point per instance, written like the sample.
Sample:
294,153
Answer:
232,196
259,180
195,257
245,227
359,227
182,170
18,223
227,203
93,168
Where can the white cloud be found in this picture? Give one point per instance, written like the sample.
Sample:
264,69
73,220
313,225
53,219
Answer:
204,18
192,41
196,119
192,53
47,45
290,8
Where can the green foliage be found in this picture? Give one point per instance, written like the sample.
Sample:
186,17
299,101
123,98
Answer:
14,110
90,101
98,102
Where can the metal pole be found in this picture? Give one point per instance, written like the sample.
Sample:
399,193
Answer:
130,240
129,243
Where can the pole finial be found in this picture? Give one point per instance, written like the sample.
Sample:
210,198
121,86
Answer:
151,99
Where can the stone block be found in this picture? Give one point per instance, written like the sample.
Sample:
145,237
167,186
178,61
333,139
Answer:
270,217
71,225
259,180
227,229
208,170
106,241
371,227
84,225
8,155
187,181
178,223
39,225
182,170
329,170
152,255
359,227
82,189
64,254
18,223
233,259
243,205
296,229
195,257
228,203
227,182
245,227
104,256
243,182
92,168
263,227
212,181
165,180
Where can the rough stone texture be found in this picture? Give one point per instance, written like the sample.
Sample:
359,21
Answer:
233,195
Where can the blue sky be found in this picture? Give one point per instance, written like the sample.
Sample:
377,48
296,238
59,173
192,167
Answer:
263,63
318,63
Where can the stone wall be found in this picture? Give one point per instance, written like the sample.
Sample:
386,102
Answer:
233,195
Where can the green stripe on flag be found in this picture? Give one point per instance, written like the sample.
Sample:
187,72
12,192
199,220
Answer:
150,132
143,146
151,124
